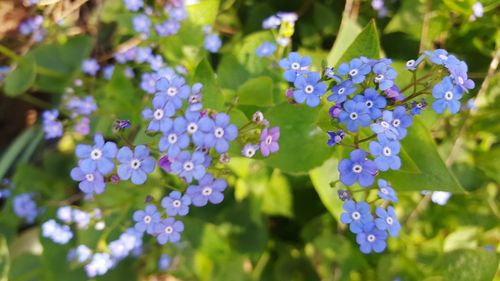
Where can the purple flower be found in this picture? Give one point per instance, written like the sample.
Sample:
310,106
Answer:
92,182
355,114
167,28
107,71
165,164
386,192
356,69
357,168
135,165
341,91
212,43
386,153
176,204
384,75
371,239
356,215
418,106
134,5
143,54
24,207
266,49
387,220
219,132
52,127
159,115
207,190
60,234
335,137
309,89
373,101
174,91
99,264
142,24
271,22
97,157
447,96
90,67
394,93
294,65
169,230
178,13
477,9
146,220
81,254
148,83
269,141
189,166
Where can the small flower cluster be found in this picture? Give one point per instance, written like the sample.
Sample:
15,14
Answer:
51,126
169,20
25,207
33,26
365,96
212,41
285,23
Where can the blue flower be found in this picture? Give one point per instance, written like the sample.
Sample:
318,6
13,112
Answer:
271,22
207,190
146,220
174,141
178,13
356,69
309,89
418,106
386,192
266,49
371,239
148,83
143,54
134,5
458,70
294,65
169,230
341,91
174,90
99,264
335,137
176,204
24,207
51,127
439,56
97,157
357,168
212,43
89,182
80,254
90,67
160,116
373,101
447,96
135,165
219,132
356,215
60,234
164,262
385,75
396,120
191,124
387,220
386,153
142,24
355,114
167,28
189,166
384,127
412,65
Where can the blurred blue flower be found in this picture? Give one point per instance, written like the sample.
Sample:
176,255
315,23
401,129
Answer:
386,192
207,190
169,230
176,204
266,49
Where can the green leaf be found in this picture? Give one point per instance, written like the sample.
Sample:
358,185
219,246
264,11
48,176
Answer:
321,13
470,265
429,171
302,144
321,178
212,95
231,72
408,19
22,78
203,12
245,52
257,91
349,29
4,259
16,147
277,198
366,44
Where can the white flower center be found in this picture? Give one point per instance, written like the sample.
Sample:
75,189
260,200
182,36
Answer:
353,72
379,77
309,89
356,215
219,132
188,166
89,177
384,190
172,91
370,238
151,83
158,115
443,57
207,191
460,80
384,124
387,151
192,128
135,164
357,168
396,122
249,152
269,140
389,220
96,154
369,104
169,229
172,138
295,66
353,116
341,91
410,63
448,95
147,219
176,203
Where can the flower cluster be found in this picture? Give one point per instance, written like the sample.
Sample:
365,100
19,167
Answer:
33,26
366,99
25,207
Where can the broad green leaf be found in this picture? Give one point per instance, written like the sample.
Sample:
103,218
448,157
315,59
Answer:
15,148
55,263
321,178
245,52
22,78
212,95
4,259
325,20
366,44
408,19
277,198
470,265
432,173
302,144
348,32
203,12
257,91
26,268
231,72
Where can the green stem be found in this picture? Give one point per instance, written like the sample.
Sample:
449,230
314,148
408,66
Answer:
35,101
9,53
367,138
414,82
